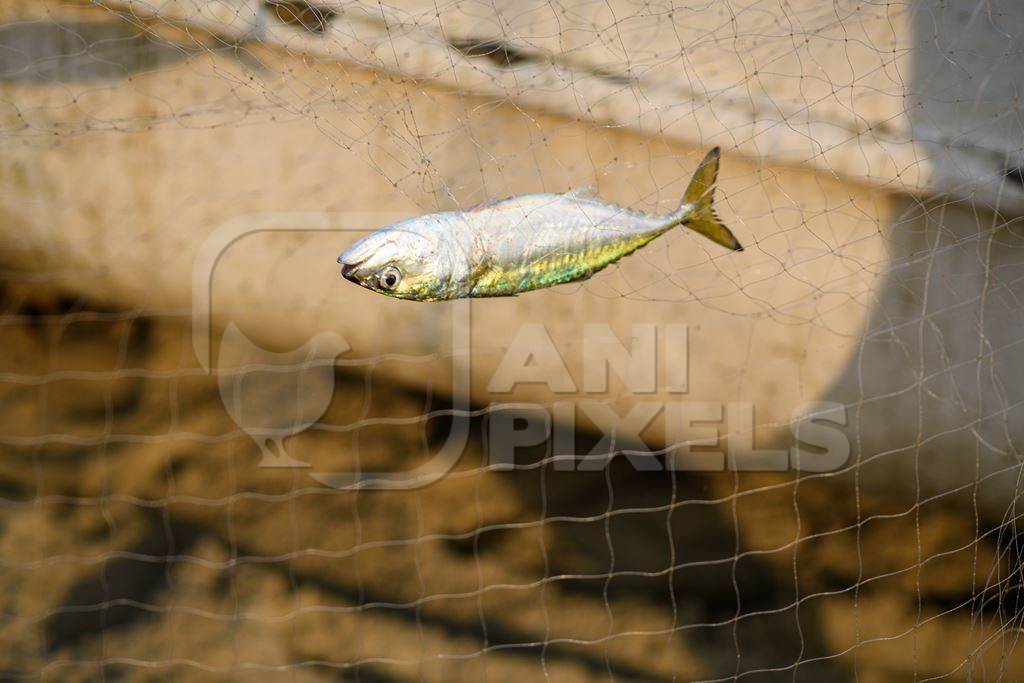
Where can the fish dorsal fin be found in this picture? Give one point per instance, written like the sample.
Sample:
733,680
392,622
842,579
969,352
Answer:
588,191
486,204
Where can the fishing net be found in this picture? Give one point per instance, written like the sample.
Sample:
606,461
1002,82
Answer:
795,462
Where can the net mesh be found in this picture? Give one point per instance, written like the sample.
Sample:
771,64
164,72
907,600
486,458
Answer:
199,414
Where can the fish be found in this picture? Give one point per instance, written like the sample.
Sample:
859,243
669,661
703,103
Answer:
510,246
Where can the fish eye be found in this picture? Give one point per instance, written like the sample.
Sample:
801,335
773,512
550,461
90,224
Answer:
389,277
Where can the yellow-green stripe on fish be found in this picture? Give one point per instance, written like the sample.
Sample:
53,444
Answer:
519,244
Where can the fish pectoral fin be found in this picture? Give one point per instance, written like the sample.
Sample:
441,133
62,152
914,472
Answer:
486,263
588,191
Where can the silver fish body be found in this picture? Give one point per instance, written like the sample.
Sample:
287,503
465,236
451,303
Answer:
519,244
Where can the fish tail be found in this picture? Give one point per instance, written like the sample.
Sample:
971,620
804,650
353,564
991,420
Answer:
697,211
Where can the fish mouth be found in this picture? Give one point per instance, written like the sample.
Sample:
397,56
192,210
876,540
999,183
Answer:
348,271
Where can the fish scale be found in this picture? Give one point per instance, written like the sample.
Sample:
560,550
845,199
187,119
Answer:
562,269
